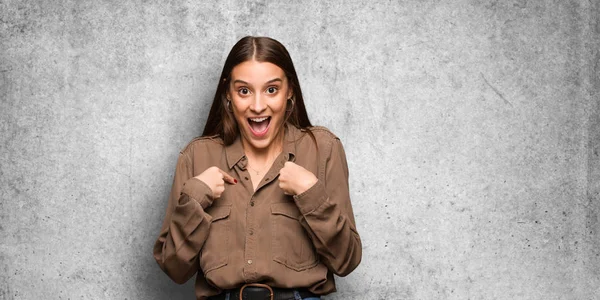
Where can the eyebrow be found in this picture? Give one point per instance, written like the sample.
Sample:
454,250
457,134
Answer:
270,81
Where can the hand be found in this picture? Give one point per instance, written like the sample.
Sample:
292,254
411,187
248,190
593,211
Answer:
215,178
295,180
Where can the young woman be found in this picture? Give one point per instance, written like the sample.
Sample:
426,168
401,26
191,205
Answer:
260,205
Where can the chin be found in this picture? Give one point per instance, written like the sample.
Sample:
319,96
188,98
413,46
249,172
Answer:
261,143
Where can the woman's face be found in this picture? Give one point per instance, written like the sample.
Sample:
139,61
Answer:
258,94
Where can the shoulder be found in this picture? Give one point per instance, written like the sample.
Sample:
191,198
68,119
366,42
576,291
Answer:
324,138
204,144
322,133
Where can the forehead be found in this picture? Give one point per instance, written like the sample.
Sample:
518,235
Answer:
256,72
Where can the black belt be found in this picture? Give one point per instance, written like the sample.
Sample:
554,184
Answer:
256,291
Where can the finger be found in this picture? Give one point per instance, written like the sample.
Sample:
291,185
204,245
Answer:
282,186
219,191
289,164
228,177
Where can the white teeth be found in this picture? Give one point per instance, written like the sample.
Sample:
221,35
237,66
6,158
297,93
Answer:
258,120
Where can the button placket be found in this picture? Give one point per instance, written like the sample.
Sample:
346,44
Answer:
250,246
249,270
243,173
273,172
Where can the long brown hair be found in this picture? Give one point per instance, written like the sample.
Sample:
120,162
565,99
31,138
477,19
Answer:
221,122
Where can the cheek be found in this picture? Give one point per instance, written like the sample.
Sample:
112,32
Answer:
237,106
238,113
278,105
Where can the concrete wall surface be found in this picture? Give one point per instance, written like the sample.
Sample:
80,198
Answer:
472,131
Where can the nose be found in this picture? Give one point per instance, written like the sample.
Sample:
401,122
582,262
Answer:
258,104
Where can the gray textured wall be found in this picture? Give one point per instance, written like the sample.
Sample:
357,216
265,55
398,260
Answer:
472,131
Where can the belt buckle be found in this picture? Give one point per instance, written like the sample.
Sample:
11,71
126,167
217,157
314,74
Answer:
256,285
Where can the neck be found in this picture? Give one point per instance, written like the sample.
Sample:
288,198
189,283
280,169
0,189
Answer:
263,155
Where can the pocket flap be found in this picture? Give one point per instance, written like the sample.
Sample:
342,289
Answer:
288,209
219,212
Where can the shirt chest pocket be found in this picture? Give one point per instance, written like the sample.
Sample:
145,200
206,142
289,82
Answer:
215,252
291,245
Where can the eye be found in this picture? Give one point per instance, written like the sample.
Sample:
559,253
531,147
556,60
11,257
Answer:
271,90
243,91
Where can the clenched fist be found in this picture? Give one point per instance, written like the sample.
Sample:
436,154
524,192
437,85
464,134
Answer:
215,178
295,180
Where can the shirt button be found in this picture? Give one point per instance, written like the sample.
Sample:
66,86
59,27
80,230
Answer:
249,261
246,177
251,232
252,203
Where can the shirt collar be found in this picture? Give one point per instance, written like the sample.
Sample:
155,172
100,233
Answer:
235,152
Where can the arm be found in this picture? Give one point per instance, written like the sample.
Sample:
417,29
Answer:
186,225
328,217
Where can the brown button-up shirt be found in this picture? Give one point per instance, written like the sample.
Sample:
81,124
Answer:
265,236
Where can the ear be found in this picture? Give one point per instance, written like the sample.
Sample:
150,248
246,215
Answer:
227,93
226,86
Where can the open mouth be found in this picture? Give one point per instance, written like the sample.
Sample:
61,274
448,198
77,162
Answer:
259,126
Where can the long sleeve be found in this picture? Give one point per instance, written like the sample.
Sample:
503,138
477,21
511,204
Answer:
328,218
186,225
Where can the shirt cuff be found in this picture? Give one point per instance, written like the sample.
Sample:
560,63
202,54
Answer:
199,191
311,199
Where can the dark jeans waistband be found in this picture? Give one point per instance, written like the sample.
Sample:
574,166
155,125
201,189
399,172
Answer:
263,292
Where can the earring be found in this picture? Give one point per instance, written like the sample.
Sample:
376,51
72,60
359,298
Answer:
228,106
291,106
